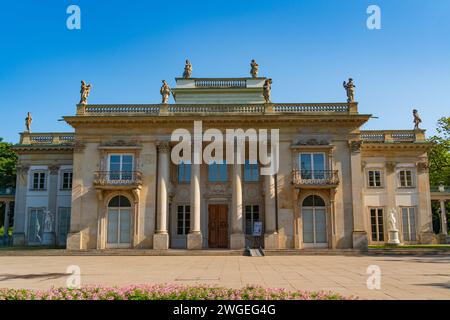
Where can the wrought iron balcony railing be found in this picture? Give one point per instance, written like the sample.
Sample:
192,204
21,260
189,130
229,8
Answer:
315,177
117,178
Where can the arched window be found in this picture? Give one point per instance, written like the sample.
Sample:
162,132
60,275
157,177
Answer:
313,201
119,202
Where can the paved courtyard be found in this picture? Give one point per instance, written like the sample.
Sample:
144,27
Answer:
406,277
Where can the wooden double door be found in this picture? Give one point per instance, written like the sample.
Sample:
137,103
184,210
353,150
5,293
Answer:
218,226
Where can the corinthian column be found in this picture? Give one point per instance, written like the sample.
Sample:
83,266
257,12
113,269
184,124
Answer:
161,237
194,238
237,239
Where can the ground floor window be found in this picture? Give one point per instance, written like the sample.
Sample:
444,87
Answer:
183,219
409,224
314,220
63,225
251,216
119,222
376,221
36,226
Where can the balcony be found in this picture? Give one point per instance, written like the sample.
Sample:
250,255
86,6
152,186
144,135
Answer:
110,180
308,179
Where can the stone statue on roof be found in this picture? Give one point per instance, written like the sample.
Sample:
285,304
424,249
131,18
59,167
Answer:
85,90
165,92
254,69
350,89
187,70
417,119
28,121
266,89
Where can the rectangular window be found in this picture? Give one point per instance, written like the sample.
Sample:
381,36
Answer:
409,224
312,165
184,172
183,219
67,180
251,216
120,167
251,171
39,180
405,177
217,172
36,226
63,225
376,222
374,178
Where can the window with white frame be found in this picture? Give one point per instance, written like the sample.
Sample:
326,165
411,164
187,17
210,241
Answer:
405,178
312,165
409,224
377,224
217,172
120,166
66,180
251,171
374,178
183,219
251,216
184,172
38,180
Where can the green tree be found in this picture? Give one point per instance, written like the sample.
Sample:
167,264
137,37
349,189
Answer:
8,159
439,160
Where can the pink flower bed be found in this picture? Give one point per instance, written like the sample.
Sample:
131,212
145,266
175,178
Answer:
166,292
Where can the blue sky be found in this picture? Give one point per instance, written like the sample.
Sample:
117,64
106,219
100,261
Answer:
125,49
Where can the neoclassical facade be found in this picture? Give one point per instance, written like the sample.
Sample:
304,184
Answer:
112,184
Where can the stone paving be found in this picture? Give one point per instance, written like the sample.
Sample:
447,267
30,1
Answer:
406,277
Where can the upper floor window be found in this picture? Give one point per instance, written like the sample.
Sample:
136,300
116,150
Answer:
374,178
405,178
120,166
312,165
39,180
184,172
218,172
66,182
251,171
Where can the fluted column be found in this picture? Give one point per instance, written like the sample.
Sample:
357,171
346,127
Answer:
443,218
270,234
194,238
237,239
161,237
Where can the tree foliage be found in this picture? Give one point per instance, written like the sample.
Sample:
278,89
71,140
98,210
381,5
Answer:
439,154
8,160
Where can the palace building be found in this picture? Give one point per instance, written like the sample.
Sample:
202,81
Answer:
111,183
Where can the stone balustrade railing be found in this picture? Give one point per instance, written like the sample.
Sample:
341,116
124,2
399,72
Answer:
220,83
387,136
27,138
180,109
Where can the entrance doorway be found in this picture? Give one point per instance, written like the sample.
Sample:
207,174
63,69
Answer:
218,226
119,223
314,222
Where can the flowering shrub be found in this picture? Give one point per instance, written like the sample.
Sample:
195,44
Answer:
165,292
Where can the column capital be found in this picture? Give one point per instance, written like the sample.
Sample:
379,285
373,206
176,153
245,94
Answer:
163,146
53,169
390,165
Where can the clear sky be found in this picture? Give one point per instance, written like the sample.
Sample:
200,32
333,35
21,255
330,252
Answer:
125,49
